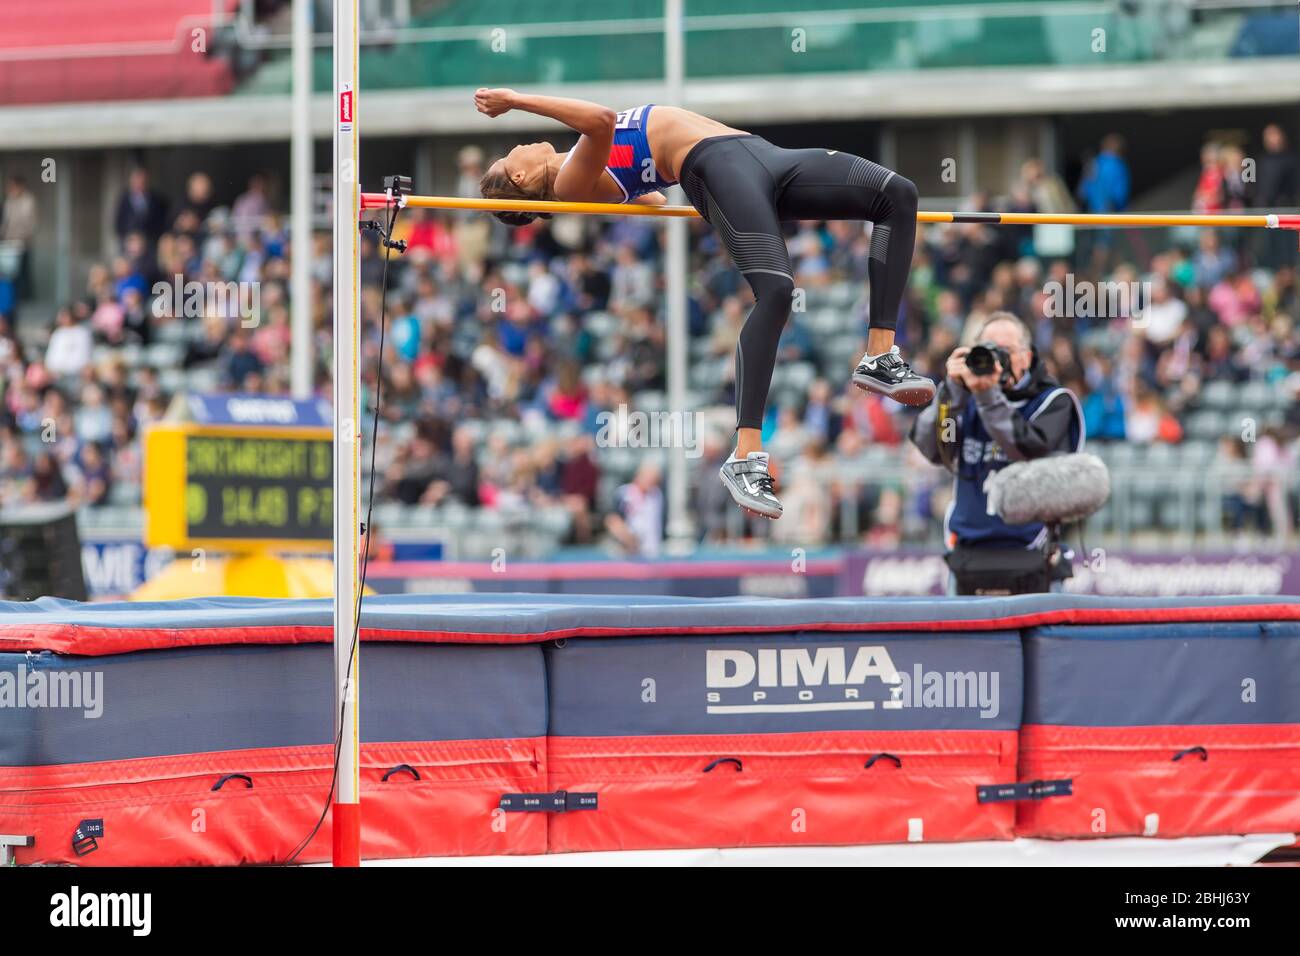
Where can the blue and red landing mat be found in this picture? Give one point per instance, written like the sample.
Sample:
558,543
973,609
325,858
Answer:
199,731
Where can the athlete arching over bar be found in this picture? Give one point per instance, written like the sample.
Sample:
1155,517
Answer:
745,187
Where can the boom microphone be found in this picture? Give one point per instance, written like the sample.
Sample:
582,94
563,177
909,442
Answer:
1053,490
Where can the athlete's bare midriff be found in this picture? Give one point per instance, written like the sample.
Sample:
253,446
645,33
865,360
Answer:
672,132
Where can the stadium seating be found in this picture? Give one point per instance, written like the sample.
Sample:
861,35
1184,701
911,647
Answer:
901,36
147,51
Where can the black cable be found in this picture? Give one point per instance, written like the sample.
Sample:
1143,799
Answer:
365,534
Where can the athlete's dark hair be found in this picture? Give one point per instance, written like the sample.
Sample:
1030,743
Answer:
495,184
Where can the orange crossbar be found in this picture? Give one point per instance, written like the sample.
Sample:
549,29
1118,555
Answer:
1261,221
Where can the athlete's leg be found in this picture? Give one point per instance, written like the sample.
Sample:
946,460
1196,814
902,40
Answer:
833,185
734,192
825,184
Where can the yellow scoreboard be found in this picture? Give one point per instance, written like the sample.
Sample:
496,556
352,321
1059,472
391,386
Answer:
238,487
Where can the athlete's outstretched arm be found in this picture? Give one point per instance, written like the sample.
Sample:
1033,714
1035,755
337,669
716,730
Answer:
578,179
590,119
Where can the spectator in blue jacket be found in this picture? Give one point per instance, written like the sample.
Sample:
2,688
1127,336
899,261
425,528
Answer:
1103,413
1105,185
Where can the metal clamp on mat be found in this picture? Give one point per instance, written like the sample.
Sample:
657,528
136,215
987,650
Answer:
1032,790
560,801
10,840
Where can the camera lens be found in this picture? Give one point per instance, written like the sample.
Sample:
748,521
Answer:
980,360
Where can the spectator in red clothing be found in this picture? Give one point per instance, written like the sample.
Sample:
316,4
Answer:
1148,420
871,419
567,397
428,233
1208,195
883,429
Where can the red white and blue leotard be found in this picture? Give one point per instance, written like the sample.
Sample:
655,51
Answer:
630,163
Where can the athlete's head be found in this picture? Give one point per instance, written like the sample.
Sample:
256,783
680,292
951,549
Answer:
523,173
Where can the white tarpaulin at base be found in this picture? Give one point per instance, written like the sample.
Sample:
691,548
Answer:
1120,851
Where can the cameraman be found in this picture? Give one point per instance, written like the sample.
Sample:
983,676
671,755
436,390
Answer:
1006,409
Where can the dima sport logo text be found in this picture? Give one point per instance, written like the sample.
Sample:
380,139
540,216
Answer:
774,680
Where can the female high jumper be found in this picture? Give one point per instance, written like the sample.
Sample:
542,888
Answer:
745,188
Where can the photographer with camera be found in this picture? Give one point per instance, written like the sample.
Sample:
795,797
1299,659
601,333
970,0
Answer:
997,406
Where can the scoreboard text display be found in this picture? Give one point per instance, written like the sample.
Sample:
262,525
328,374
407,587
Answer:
238,487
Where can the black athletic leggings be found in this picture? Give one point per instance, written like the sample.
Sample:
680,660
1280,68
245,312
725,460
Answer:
745,188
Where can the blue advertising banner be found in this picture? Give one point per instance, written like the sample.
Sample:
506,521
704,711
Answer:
1100,571
116,566
236,409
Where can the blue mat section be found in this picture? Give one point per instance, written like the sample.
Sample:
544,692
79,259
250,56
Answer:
195,700
785,683
1132,676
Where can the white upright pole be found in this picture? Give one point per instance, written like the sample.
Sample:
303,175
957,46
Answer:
300,349
63,232
347,416
679,518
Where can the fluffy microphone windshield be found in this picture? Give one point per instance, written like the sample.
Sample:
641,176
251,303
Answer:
1056,489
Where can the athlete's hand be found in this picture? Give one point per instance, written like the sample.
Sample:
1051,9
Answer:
494,102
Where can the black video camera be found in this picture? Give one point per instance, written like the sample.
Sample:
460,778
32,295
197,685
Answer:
398,185
984,358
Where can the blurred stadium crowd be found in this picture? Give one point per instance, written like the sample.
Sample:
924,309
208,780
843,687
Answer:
506,349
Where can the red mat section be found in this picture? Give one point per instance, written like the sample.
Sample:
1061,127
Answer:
1127,782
